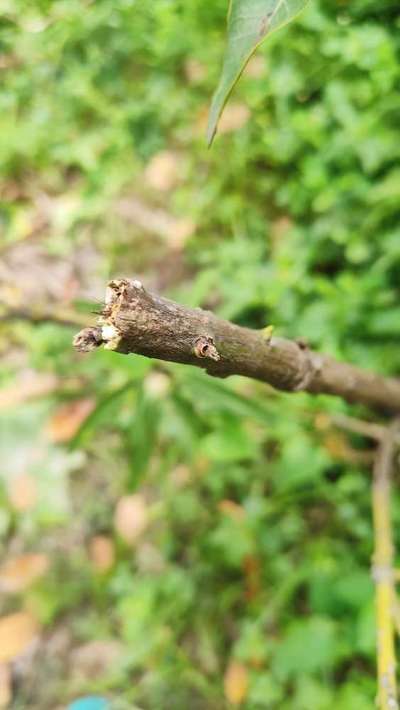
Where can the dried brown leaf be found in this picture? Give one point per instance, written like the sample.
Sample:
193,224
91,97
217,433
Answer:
67,419
17,633
162,172
181,475
195,71
252,574
31,386
5,685
22,492
234,117
255,69
339,448
180,231
236,682
131,517
174,231
232,509
102,552
17,574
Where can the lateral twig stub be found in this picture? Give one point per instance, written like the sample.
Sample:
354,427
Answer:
87,339
204,347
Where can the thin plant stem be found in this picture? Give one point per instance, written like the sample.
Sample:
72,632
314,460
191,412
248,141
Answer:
383,572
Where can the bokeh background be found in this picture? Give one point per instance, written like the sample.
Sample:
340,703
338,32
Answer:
169,540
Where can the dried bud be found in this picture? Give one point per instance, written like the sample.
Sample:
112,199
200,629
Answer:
87,339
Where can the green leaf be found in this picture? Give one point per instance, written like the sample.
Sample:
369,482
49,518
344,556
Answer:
94,418
319,636
249,23
142,436
230,443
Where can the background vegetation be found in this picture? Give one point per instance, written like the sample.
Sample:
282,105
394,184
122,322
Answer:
170,540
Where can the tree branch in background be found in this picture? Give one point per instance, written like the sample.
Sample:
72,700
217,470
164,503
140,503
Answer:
383,572
60,315
370,430
136,321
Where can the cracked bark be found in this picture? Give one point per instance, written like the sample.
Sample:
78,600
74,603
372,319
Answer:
136,321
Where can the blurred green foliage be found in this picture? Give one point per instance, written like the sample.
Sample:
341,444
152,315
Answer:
259,538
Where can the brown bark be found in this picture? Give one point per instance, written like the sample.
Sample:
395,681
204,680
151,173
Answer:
136,321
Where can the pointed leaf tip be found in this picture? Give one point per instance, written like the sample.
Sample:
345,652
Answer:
249,23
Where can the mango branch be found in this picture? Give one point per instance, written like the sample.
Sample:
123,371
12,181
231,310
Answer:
136,321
